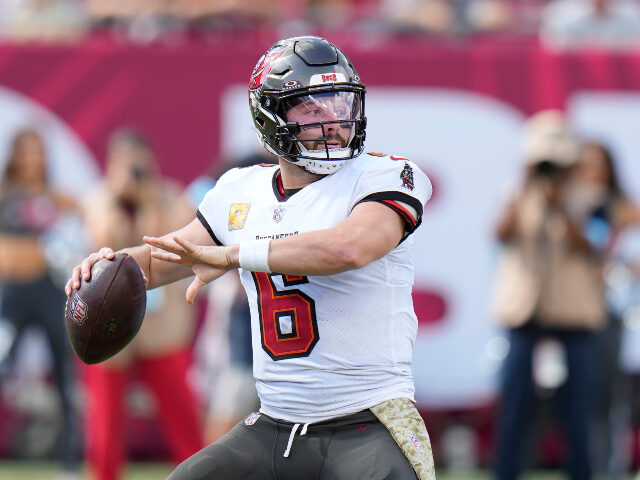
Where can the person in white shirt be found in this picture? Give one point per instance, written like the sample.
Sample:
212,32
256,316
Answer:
324,247
583,24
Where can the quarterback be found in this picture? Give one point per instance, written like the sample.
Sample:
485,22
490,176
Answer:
323,244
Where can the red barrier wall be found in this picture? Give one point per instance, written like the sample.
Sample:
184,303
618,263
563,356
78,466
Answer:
173,92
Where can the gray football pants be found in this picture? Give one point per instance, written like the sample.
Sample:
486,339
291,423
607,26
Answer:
354,447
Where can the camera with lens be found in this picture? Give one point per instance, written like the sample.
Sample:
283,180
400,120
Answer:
547,169
139,173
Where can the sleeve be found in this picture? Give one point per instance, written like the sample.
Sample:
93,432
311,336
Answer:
210,213
205,223
397,183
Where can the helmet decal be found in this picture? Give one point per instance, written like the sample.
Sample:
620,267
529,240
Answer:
307,104
321,78
264,66
291,84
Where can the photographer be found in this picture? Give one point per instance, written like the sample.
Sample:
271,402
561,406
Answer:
133,199
548,288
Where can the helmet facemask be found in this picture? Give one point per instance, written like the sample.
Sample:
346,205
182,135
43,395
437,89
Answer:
307,103
324,128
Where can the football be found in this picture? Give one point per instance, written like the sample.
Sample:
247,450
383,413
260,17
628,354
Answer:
105,313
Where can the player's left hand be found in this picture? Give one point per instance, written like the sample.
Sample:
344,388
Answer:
207,263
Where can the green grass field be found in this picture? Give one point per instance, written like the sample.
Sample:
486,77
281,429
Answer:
15,470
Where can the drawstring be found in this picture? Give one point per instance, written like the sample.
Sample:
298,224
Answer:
291,435
294,429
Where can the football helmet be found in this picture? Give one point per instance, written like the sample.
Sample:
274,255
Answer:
307,104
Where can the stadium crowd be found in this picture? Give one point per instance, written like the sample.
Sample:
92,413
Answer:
561,24
559,235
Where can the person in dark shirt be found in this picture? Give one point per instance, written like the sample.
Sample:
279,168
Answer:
29,208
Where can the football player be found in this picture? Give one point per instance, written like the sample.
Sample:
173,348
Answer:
323,243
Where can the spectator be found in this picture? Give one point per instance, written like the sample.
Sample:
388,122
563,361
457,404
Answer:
622,276
46,21
414,16
448,17
143,21
29,208
329,13
151,20
489,16
132,199
596,193
548,287
570,24
597,201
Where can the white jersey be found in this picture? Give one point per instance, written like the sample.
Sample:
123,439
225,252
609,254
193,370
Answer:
325,346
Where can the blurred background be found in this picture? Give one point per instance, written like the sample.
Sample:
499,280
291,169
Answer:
157,89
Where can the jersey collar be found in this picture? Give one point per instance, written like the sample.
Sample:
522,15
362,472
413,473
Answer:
282,194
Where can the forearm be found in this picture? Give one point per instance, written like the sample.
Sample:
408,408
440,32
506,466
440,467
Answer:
157,272
625,214
369,234
323,252
576,238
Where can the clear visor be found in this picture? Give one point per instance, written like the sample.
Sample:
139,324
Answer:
318,108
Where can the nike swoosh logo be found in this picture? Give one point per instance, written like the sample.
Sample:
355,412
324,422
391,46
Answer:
363,427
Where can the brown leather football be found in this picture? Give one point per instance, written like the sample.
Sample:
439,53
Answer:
106,312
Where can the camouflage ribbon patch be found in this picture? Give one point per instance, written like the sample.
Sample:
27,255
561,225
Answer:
408,430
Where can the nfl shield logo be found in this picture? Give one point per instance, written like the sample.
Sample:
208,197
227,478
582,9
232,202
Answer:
78,310
278,213
251,419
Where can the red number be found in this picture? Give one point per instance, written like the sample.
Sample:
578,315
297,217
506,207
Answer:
287,318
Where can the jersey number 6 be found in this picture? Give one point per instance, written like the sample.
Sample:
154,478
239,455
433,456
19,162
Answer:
287,318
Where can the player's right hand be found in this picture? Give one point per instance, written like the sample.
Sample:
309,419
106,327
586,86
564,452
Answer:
83,271
207,263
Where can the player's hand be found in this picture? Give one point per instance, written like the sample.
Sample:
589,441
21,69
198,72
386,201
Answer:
83,271
207,263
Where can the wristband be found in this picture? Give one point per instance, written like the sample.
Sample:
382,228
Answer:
253,255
